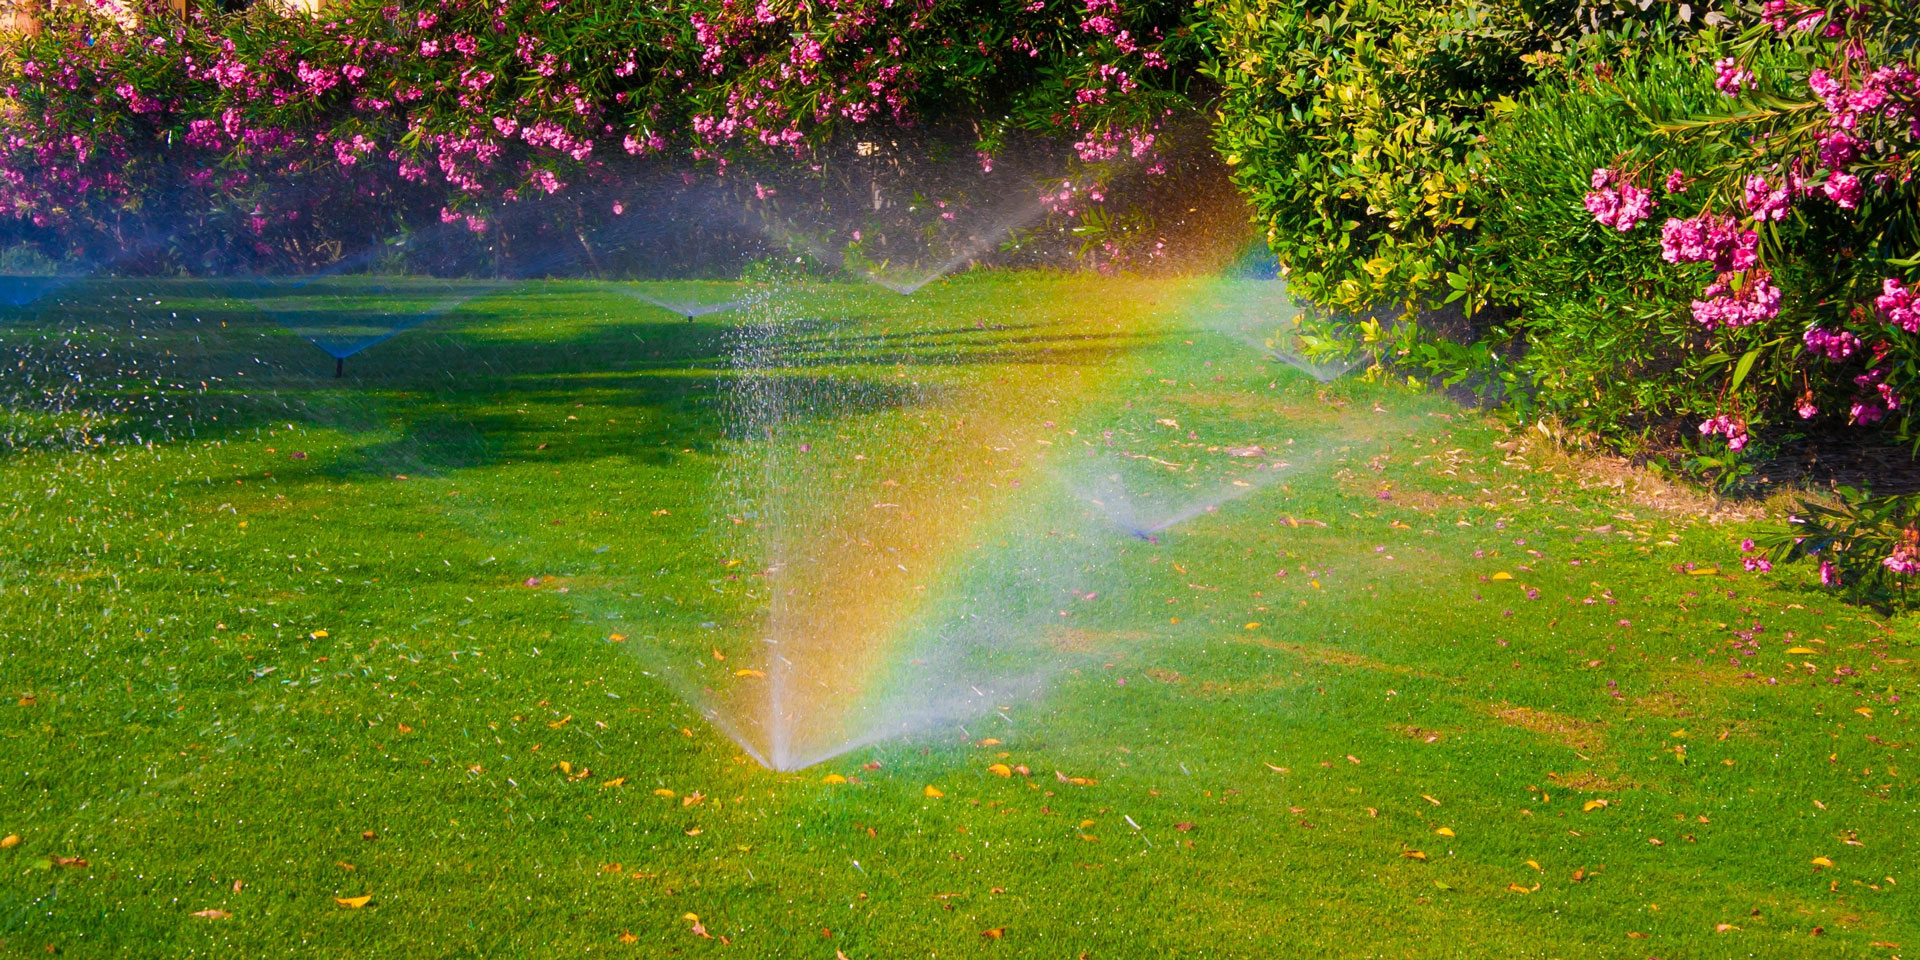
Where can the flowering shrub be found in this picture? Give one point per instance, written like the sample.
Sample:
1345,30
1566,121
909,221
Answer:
291,131
1699,253
1801,202
1868,547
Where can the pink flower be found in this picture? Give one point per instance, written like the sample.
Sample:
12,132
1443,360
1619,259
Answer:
1758,565
1829,574
1733,429
1838,150
1784,14
1709,239
1833,346
1766,201
1738,300
1898,303
1730,77
1842,189
1678,181
1616,203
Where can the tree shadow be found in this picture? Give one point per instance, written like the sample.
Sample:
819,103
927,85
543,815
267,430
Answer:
540,373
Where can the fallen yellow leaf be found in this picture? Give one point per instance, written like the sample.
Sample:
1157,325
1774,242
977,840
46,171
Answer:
934,792
616,781
1864,711
663,792
212,914
10,841
1535,865
1801,650
833,778
1414,855
353,903
318,635
1592,805
1822,862
1000,770
1501,575
749,673
989,742
1703,571
1444,831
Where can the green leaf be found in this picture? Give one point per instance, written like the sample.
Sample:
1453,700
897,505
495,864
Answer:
1746,365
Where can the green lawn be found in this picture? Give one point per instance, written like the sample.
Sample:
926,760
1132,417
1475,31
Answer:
440,634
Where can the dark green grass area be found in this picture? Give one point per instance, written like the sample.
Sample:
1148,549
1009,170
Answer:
274,638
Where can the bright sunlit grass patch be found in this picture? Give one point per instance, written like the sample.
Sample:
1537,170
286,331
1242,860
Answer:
422,635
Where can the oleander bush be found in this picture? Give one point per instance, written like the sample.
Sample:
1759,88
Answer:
1609,344
264,136
1716,240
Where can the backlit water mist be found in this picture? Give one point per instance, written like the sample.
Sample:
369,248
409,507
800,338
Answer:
913,555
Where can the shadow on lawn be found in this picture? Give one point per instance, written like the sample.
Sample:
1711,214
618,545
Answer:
495,379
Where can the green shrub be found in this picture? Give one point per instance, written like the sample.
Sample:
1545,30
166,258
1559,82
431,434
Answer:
1354,128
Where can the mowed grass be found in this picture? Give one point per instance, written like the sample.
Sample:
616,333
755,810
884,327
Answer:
1437,693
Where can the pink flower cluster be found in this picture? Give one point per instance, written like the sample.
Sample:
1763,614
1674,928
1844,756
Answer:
1885,92
1730,77
1735,430
1767,201
1709,239
1899,304
1905,559
1738,300
1784,15
1831,345
1616,202
1843,189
